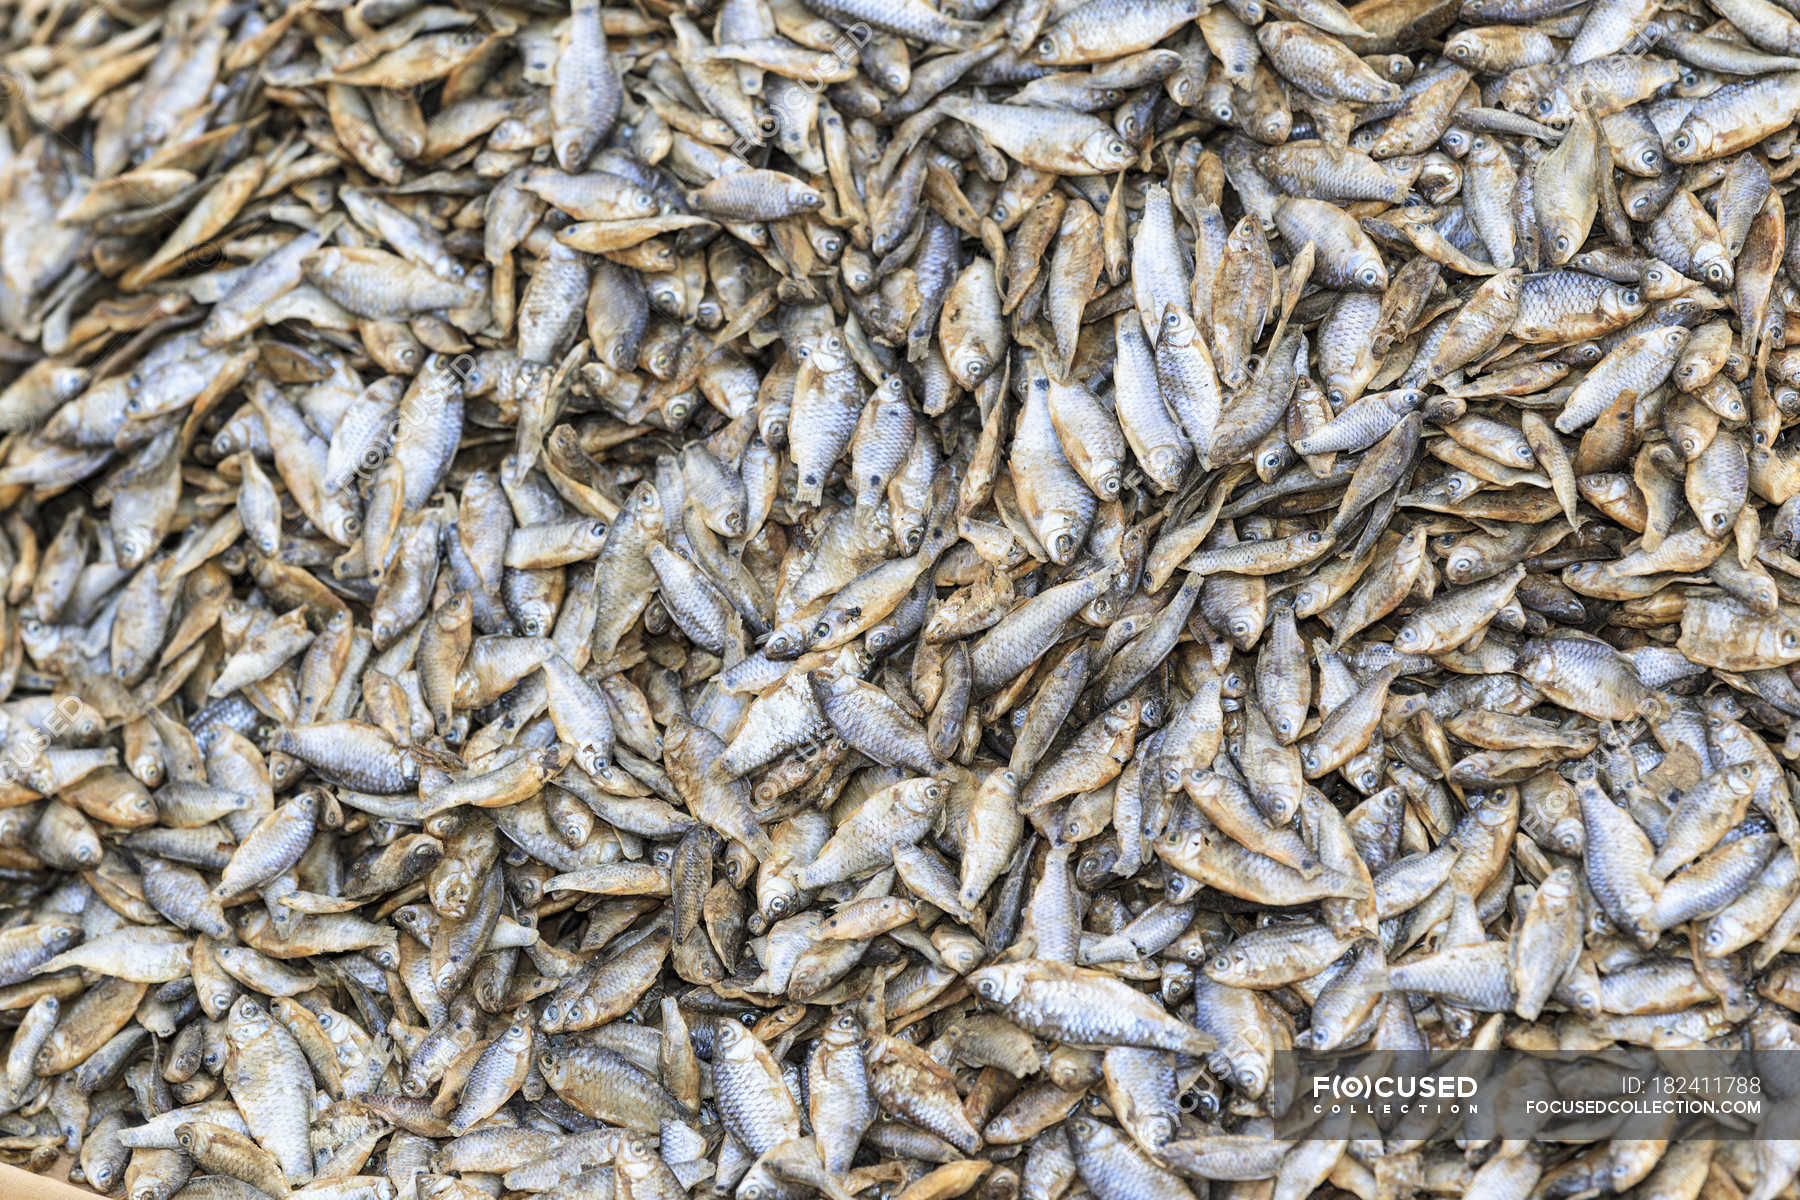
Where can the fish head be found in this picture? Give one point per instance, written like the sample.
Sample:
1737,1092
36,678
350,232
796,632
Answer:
1177,327
731,1040
1622,303
1691,142
1410,637
1723,930
1105,150
1054,46
1369,274
248,1018
1464,48
924,798
998,984
1646,154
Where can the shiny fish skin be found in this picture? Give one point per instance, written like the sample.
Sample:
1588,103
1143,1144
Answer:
1082,1006
831,598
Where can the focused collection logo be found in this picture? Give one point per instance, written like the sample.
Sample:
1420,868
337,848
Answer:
1354,1095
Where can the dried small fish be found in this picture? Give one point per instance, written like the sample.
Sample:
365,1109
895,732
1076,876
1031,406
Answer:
817,597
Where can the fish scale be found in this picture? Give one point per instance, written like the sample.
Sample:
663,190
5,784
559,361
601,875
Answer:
833,593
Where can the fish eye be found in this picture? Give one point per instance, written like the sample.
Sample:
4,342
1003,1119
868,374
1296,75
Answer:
1546,105
1118,148
1369,276
1047,46
1629,295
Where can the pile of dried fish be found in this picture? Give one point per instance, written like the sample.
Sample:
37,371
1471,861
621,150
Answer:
852,597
